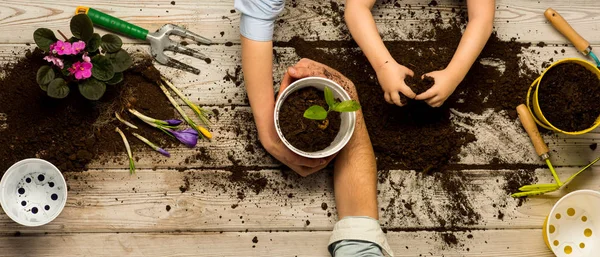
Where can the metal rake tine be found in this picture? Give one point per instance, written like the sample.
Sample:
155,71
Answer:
182,66
179,48
179,31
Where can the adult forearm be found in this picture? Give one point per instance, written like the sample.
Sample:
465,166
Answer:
257,64
362,26
355,175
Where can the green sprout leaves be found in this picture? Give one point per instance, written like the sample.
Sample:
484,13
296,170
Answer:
317,112
82,27
58,88
111,43
92,89
346,106
43,38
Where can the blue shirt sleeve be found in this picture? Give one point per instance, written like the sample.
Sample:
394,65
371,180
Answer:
258,17
355,248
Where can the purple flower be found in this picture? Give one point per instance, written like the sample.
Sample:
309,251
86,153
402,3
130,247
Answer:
81,70
55,60
77,47
173,122
62,48
163,152
189,137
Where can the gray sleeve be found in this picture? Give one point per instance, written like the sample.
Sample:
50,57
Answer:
258,17
355,248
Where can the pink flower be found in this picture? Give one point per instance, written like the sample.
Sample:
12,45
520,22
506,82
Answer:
81,70
62,48
77,47
86,58
55,60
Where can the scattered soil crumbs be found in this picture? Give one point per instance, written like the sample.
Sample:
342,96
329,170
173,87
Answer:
515,180
449,238
255,240
71,132
306,134
568,96
593,146
416,136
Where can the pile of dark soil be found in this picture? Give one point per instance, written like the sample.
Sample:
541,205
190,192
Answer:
569,96
71,132
306,134
417,136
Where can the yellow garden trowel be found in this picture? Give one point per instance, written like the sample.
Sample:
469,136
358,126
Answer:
542,150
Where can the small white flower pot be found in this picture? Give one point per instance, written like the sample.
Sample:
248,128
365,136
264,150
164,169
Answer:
348,119
33,192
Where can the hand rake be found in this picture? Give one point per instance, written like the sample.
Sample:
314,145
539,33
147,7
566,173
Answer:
159,40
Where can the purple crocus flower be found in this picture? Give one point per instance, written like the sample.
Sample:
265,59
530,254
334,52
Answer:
189,137
163,152
173,122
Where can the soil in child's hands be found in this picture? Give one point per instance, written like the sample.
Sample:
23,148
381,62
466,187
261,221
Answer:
569,96
305,134
417,85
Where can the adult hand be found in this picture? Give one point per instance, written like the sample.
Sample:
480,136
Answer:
271,141
445,84
391,78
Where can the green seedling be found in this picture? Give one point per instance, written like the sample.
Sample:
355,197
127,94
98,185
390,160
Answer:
317,112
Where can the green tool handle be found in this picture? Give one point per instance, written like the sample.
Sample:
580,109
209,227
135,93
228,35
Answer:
113,24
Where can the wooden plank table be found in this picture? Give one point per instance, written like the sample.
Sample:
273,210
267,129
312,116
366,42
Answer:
184,207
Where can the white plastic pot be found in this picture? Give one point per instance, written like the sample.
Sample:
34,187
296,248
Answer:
348,119
33,192
573,226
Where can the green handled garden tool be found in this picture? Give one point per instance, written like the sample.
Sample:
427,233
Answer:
542,150
159,40
564,28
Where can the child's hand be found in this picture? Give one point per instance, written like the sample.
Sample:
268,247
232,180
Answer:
391,78
445,84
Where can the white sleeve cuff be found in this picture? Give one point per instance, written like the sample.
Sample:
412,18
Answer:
363,229
256,29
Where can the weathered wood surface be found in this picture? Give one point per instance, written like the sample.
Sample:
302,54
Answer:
310,19
489,243
210,218
114,201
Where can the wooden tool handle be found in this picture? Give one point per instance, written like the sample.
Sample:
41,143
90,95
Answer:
534,134
564,28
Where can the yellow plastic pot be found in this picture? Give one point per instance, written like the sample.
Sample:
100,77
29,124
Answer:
534,105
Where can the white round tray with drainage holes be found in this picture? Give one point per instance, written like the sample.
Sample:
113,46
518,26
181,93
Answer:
573,226
33,192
